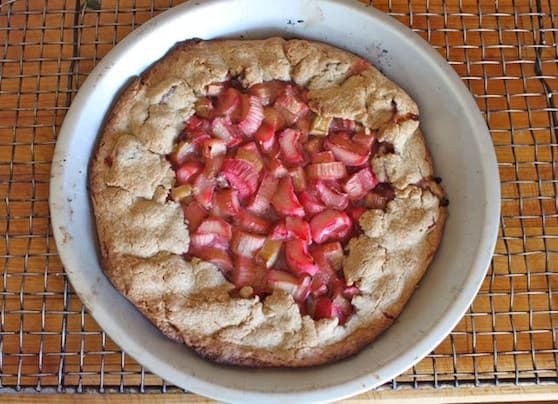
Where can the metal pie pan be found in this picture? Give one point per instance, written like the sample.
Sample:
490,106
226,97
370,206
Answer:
456,135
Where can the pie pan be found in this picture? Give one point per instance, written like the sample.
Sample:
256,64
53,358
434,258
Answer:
456,135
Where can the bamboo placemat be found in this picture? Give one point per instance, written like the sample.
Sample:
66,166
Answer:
506,53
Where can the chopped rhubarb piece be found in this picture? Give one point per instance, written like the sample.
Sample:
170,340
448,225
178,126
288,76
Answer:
330,225
262,199
250,153
279,232
267,92
204,187
269,253
252,117
202,240
227,102
285,201
298,288
196,124
273,118
241,175
327,171
181,193
299,178
352,154
252,223
217,256
349,156
265,136
333,252
323,157
214,89
331,197
323,308
351,291
298,228
345,125
222,128
246,244
314,145
303,125
337,287
320,125
373,200
339,308
213,147
310,303
226,203
358,185
298,259
198,139
326,271
318,287
215,225
187,171
182,151
221,181
194,213
213,166
379,197
312,205
277,169
342,309
236,141
342,137
289,141
364,140
290,106
204,108
303,290
247,272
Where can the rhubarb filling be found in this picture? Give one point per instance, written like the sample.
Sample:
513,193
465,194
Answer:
272,192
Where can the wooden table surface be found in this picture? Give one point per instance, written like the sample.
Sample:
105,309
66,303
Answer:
506,345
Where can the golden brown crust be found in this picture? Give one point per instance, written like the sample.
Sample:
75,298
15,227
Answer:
240,355
142,235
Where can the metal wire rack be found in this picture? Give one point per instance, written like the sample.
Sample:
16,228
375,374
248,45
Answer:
505,51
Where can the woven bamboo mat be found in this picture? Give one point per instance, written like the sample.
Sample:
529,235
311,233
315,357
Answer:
505,52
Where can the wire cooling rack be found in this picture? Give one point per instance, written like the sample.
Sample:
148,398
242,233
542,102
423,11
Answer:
505,51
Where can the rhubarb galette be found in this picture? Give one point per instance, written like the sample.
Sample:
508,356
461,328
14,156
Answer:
266,202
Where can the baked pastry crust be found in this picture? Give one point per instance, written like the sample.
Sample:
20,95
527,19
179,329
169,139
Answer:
143,235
